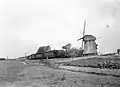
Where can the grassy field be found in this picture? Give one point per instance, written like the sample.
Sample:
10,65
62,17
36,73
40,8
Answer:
15,73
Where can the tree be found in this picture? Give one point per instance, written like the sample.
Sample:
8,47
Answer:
67,46
75,52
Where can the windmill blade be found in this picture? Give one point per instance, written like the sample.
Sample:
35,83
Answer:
79,39
83,32
82,43
84,28
98,37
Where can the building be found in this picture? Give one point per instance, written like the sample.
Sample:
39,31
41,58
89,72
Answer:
90,46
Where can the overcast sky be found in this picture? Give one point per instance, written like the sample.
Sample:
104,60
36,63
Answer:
27,24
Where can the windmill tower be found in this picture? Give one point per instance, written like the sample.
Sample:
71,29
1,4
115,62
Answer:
88,43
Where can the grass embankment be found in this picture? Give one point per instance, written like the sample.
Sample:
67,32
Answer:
89,65
92,61
17,74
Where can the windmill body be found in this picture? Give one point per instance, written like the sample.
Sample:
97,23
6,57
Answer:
90,46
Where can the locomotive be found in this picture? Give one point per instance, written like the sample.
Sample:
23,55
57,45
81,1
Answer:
49,55
45,52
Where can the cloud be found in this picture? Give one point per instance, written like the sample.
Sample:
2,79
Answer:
31,23
39,22
111,12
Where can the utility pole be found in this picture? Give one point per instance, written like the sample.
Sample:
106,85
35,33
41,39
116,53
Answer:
25,55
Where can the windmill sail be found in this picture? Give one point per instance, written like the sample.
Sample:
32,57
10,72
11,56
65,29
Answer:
83,32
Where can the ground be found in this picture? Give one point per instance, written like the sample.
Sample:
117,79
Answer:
15,73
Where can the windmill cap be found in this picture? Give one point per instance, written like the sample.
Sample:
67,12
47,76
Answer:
88,37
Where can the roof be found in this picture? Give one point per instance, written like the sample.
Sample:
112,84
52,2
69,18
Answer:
89,37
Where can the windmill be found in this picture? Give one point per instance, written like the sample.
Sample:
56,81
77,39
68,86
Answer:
88,43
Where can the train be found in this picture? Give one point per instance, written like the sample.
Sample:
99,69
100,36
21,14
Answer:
45,52
49,55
